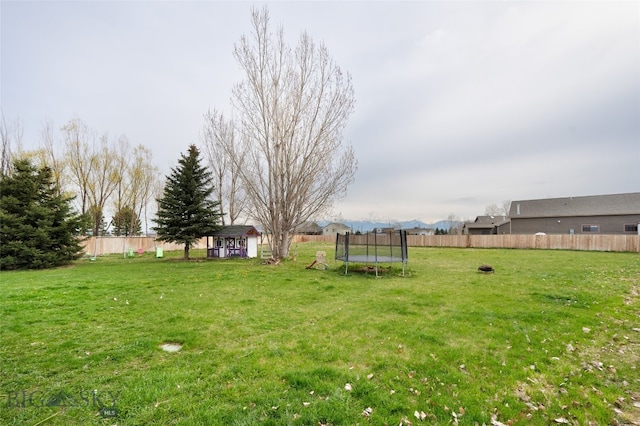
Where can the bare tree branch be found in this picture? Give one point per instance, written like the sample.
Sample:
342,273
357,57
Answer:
293,107
221,147
10,144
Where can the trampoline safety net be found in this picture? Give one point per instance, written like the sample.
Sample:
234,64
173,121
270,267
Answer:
372,248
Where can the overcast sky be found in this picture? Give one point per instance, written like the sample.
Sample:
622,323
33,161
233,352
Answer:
458,104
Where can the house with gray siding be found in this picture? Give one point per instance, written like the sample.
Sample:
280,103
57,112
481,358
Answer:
597,214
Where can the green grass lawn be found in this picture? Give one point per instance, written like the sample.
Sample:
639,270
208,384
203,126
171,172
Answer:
550,337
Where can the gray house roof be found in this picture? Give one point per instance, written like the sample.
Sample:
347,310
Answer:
596,205
486,222
309,228
419,231
336,226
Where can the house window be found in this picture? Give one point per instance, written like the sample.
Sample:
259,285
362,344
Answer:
590,228
631,227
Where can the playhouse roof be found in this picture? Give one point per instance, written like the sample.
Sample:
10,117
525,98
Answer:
236,231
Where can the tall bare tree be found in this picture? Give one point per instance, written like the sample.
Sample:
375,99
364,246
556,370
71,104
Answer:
493,210
94,167
51,158
506,207
122,188
292,108
455,227
221,147
10,144
134,175
100,173
78,160
142,177
5,148
105,173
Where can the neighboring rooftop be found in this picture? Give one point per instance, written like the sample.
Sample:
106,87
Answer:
595,205
486,222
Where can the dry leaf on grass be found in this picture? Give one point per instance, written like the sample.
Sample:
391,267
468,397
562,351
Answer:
420,415
495,422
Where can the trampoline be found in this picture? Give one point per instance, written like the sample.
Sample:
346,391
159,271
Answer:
372,248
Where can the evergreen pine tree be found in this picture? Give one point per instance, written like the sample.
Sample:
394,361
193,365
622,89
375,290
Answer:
38,227
126,222
186,212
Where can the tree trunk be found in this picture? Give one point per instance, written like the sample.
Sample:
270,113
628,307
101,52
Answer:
284,244
186,251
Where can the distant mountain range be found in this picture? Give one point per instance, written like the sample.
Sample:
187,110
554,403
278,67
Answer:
365,226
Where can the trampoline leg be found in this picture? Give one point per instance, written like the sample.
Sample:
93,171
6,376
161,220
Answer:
346,267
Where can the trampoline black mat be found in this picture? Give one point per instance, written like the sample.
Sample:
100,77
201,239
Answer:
363,258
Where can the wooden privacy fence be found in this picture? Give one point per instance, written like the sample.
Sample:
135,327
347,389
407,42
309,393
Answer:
110,245
628,243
